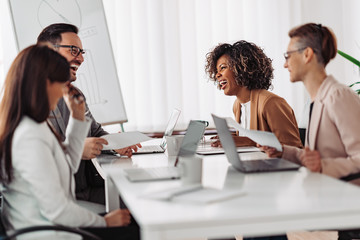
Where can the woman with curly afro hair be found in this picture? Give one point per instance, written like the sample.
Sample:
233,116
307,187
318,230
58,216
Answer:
243,70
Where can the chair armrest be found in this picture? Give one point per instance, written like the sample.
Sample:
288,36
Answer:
86,235
350,177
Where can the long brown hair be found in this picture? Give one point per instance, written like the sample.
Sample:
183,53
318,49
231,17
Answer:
319,38
25,94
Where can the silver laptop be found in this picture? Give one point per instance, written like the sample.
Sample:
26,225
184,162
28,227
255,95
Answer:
168,132
188,147
260,165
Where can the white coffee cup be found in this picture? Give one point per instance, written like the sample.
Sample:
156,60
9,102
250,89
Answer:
191,169
173,144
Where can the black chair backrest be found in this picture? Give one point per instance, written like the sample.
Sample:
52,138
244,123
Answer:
302,132
84,234
2,228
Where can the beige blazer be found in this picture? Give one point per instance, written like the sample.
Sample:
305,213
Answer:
334,130
269,112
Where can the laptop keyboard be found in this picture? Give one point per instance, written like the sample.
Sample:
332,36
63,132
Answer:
150,148
155,173
259,165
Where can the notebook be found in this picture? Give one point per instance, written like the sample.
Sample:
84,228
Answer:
188,147
259,165
168,132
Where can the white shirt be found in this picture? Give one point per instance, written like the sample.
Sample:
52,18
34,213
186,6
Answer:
43,189
245,115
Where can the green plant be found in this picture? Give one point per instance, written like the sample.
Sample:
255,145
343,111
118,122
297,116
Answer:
354,61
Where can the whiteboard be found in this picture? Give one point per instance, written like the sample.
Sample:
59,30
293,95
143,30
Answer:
97,76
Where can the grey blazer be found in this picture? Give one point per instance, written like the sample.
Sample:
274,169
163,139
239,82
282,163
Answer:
59,118
86,177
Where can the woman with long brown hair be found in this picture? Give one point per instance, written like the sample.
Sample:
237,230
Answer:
37,170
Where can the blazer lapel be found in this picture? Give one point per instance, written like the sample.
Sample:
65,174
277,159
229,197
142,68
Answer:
237,111
311,133
254,101
312,130
60,122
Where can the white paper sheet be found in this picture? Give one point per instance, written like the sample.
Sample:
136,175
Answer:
125,139
261,137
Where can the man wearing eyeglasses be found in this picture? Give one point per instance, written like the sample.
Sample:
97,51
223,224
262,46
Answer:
89,184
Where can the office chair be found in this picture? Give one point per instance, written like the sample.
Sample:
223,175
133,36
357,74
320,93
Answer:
302,132
350,177
84,234
14,234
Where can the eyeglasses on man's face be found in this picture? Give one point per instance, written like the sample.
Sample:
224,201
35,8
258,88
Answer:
75,51
288,53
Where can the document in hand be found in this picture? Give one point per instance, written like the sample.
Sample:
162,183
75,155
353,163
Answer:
261,137
125,139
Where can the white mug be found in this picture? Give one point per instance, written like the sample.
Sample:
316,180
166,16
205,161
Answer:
191,169
173,144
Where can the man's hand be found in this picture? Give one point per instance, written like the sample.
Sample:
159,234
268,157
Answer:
311,159
93,147
128,151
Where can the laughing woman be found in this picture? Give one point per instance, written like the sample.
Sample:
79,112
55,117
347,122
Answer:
243,70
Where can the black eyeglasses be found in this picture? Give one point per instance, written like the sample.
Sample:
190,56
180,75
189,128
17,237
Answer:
75,51
287,54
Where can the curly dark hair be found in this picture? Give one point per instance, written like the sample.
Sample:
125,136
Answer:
252,68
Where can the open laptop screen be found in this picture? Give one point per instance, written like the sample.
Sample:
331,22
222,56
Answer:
170,126
193,135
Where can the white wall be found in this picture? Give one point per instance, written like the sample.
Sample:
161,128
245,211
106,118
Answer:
267,24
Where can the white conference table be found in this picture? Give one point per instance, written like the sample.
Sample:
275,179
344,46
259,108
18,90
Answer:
274,203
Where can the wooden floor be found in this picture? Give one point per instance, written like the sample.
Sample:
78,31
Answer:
324,235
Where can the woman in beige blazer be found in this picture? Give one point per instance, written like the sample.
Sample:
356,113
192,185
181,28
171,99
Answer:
332,144
243,70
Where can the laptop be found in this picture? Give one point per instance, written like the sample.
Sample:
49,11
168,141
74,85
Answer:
188,147
259,165
168,132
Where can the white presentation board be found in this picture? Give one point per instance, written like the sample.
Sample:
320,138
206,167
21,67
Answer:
97,76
